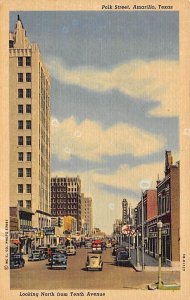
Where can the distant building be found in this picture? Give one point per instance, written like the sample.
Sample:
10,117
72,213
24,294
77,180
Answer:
29,115
86,214
66,198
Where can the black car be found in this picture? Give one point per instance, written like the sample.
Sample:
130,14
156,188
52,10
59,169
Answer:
122,258
44,250
59,261
117,249
17,261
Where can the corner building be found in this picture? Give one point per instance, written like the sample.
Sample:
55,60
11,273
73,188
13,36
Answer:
29,106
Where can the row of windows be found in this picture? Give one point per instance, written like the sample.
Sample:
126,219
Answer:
27,126
28,77
21,172
21,108
28,203
63,201
28,93
62,212
163,204
24,61
63,195
21,156
28,188
21,140
64,206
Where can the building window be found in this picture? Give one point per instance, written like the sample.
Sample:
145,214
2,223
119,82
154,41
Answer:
11,44
20,140
20,124
20,109
28,203
28,108
28,156
20,188
28,77
20,203
20,172
28,172
167,203
20,77
28,93
28,188
28,140
163,204
28,124
20,156
28,61
20,93
159,205
20,61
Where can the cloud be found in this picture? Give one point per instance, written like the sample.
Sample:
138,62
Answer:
89,141
132,178
143,176
156,80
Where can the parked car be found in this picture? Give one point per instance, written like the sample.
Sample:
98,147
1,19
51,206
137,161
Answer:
70,250
117,249
94,262
36,255
122,258
59,261
17,261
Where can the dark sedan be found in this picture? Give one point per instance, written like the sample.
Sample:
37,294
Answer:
17,261
122,258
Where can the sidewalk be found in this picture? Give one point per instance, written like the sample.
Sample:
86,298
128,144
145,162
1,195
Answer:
151,264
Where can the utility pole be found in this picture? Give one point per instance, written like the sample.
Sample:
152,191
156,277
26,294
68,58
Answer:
142,235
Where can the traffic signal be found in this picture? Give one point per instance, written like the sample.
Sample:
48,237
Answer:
60,221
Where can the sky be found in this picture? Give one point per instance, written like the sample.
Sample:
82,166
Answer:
114,99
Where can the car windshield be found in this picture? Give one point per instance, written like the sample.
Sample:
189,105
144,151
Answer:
123,255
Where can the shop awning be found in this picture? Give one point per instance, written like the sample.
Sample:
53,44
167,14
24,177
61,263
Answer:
16,242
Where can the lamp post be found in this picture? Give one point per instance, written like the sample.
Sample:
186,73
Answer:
159,227
142,233
137,250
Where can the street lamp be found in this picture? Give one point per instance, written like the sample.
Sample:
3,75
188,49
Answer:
159,227
137,249
142,240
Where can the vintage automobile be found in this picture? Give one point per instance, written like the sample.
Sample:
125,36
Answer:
44,250
59,261
97,246
70,250
88,245
108,244
122,258
51,250
94,262
17,260
117,249
36,255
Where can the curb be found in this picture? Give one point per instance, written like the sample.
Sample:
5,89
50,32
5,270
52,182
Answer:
154,268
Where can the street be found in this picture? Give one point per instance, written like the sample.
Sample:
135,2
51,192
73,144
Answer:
36,275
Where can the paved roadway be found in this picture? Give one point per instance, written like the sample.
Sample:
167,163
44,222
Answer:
36,275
